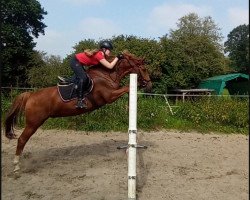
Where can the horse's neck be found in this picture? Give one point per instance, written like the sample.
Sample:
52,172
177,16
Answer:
124,69
124,73
121,69
102,72
98,69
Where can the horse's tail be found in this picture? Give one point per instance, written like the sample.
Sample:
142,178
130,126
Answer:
16,108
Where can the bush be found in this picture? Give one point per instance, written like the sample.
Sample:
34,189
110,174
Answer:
218,114
217,110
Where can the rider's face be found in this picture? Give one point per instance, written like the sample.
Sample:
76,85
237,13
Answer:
107,52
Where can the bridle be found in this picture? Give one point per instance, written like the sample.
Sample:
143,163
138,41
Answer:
138,68
143,82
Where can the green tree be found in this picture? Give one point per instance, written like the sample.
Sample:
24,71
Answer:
192,53
237,47
21,21
189,60
85,44
44,74
192,25
149,49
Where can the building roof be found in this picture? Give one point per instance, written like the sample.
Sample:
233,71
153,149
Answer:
218,83
227,77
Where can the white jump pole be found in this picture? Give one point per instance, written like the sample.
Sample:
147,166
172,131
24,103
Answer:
132,143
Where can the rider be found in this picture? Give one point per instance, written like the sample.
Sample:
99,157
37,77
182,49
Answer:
89,58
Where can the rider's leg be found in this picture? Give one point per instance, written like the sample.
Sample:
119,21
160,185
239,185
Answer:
81,77
80,88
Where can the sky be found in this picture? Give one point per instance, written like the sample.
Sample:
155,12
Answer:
71,21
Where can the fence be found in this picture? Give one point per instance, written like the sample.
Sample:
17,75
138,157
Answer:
139,93
159,110
13,90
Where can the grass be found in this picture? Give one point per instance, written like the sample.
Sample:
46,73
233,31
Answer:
224,115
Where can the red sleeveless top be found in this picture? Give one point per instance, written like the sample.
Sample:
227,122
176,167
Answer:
89,60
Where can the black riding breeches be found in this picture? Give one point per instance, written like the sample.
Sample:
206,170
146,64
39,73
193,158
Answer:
80,75
79,70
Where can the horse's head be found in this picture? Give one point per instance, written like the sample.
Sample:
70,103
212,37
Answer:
131,64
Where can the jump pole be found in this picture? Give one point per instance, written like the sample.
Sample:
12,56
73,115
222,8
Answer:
132,135
132,143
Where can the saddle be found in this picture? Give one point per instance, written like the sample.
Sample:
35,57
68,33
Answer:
67,88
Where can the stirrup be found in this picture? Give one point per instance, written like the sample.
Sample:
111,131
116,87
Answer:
61,78
80,104
64,80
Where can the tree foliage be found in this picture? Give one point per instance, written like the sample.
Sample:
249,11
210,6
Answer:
21,21
189,60
192,53
149,49
45,73
192,25
237,45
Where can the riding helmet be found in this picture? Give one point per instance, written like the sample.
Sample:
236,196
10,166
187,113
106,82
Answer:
106,45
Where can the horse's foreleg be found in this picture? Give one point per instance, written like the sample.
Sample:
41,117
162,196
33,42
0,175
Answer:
118,93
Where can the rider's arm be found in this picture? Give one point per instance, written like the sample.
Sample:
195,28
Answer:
108,64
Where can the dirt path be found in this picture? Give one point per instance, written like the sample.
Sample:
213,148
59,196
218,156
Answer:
65,165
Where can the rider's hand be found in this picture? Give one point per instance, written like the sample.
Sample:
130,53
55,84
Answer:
120,56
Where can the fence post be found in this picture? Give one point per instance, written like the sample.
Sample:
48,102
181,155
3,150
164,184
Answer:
132,140
132,143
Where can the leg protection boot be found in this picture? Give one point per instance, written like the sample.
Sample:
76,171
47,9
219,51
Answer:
80,103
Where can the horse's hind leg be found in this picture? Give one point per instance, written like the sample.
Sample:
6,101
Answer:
22,140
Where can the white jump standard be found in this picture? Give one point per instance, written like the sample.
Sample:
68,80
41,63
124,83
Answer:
132,143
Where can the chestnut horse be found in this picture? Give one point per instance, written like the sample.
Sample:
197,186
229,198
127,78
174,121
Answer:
40,105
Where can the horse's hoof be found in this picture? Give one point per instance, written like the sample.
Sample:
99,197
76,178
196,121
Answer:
17,175
11,136
17,169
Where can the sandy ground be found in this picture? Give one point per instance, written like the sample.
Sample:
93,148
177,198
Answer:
65,165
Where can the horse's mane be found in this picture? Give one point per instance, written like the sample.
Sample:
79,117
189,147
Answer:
127,55
132,56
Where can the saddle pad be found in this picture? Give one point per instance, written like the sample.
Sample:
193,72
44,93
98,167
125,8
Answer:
69,92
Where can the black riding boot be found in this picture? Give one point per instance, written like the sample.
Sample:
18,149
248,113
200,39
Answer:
80,103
